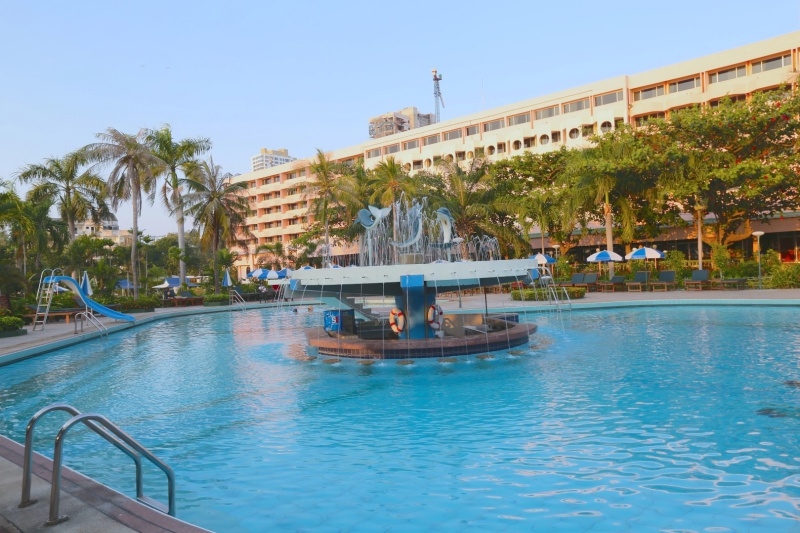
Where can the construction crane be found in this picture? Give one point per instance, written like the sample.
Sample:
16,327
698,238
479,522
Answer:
437,93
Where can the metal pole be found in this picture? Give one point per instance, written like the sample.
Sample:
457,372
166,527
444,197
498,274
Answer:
758,239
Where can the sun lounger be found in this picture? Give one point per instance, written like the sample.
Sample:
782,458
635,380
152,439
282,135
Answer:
640,280
665,281
576,279
615,283
698,282
589,282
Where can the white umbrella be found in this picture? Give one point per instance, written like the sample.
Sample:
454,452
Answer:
86,285
604,257
543,259
226,281
164,285
645,253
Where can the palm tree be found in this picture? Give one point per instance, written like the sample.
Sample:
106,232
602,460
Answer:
388,182
323,193
78,195
134,172
217,206
175,155
36,233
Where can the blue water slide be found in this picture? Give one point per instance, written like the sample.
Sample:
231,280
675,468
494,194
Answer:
91,304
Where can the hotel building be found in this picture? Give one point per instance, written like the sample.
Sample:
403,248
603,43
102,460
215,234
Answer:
270,158
566,118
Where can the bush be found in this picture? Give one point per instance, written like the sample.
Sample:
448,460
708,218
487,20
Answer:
211,298
125,303
10,323
541,294
785,277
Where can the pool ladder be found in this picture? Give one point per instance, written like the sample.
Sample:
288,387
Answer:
110,432
236,299
89,317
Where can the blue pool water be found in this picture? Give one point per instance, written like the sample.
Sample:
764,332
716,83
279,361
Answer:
648,419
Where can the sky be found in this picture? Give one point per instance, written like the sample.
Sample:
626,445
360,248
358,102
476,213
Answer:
310,74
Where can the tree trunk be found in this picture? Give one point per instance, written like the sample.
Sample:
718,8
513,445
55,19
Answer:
181,243
609,235
135,229
215,249
699,215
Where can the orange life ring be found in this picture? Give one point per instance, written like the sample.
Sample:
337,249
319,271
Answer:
397,320
435,316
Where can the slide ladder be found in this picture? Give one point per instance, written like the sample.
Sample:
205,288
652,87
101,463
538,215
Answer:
44,297
111,433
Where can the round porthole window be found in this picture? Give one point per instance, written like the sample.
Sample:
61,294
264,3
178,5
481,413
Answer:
574,133
605,127
517,145
490,150
544,139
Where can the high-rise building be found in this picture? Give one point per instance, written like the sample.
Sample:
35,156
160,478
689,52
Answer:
270,158
398,121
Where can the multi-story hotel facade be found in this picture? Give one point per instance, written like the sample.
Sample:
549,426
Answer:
566,118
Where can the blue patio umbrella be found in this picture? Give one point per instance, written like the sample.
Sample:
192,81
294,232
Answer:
86,285
284,272
604,257
543,259
256,273
645,253
307,267
226,280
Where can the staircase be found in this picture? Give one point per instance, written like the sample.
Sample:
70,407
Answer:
44,297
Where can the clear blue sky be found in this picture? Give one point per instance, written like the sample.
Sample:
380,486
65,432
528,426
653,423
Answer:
307,75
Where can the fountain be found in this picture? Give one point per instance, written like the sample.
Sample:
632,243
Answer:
412,259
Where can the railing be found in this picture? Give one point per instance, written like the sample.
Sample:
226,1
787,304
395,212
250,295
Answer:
111,433
236,299
90,318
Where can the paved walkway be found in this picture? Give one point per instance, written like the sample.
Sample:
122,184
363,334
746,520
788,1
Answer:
93,507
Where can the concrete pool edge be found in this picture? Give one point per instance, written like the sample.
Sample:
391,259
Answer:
90,505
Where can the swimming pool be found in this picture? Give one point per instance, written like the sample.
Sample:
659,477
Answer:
673,418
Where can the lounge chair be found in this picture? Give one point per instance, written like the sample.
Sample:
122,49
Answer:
698,281
665,281
616,282
641,278
589,282
576,279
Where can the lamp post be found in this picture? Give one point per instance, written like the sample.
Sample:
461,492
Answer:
556,247
757,235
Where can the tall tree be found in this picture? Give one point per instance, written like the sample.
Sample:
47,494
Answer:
133,173
218,207
617,174
176,155
736,160
323,193
389,181
36,234
77,194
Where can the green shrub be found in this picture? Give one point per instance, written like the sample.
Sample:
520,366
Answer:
10,323
125,303
785,277
541,294
211,298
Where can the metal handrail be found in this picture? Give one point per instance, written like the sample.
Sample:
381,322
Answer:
90,318
87,419
236,298
27,460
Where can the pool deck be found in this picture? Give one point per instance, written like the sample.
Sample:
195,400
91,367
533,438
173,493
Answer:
94,507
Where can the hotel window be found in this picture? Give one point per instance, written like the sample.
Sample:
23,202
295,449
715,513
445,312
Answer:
375,152
733,98
529,142
641,121
580,105
291,175
605,127
684,85
416,165
727,74
472,130
519,119
392,148
450,135
546,113
605,99
771,64
431,139
517,145
555,136
544,139
494,125
461,156
302,173
574,133
411,144
646,94
501,148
